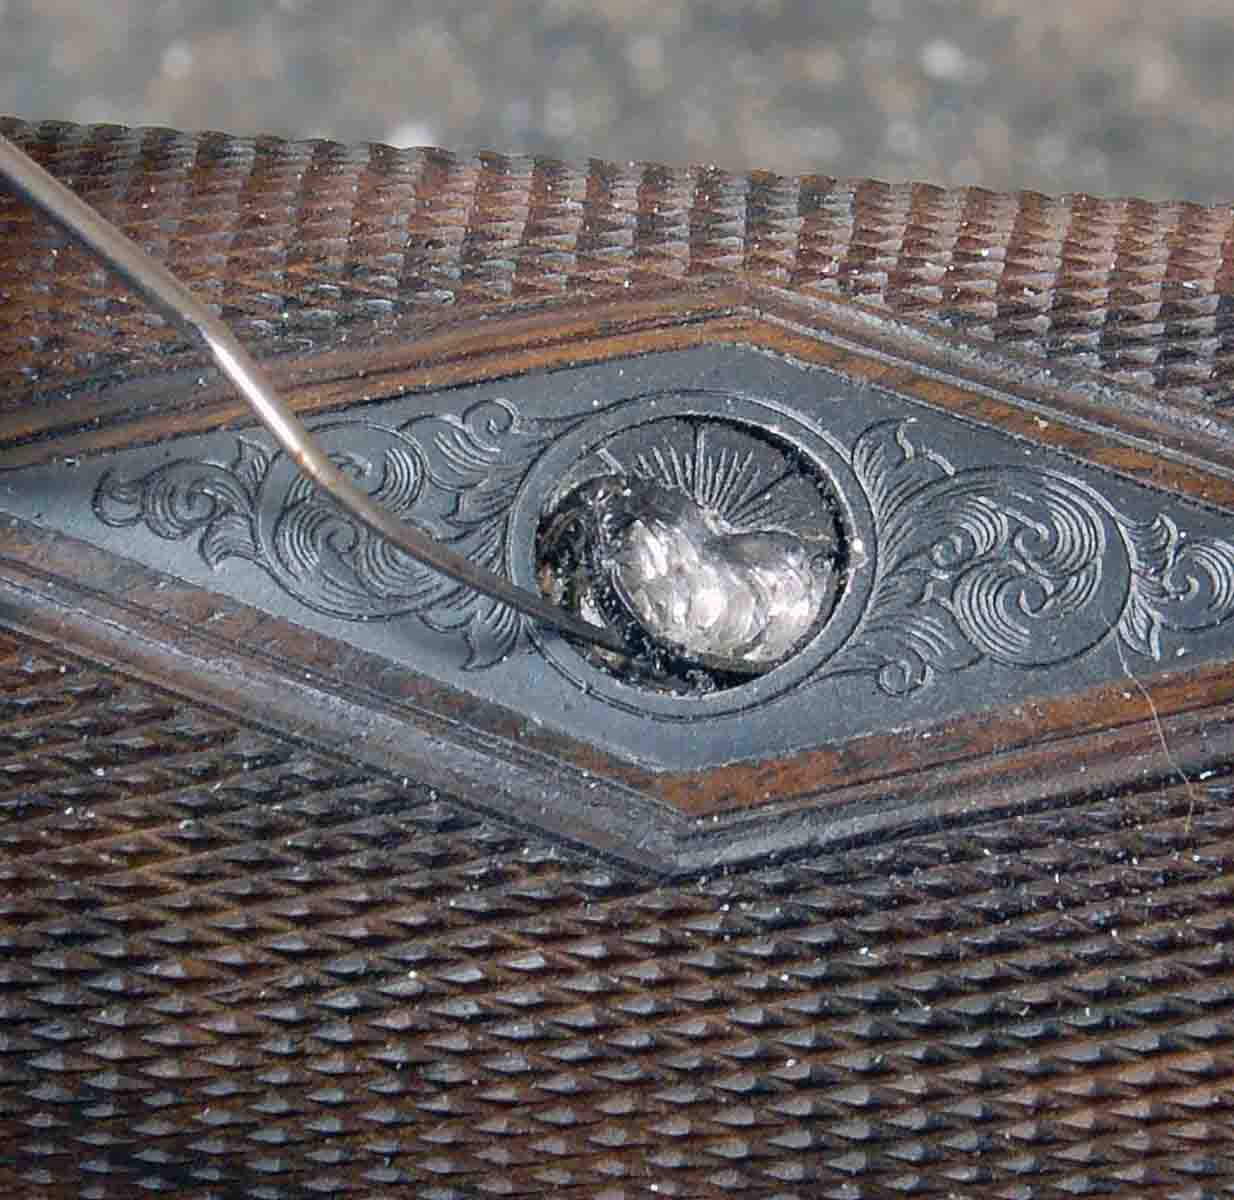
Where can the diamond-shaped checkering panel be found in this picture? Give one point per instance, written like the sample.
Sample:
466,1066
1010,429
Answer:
954,565
234,967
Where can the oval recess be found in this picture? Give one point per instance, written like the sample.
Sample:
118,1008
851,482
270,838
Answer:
798,439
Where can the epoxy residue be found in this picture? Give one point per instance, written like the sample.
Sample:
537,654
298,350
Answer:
690,591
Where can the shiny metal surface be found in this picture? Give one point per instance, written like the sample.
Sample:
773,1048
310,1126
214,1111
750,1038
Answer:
689,580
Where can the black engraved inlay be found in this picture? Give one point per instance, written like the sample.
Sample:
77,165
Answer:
713,536
1026,567
454,476
951,567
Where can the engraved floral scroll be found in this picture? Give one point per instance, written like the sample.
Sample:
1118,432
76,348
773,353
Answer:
454,476
1024,566
1021,566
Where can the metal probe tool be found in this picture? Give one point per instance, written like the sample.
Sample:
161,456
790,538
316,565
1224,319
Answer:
168,296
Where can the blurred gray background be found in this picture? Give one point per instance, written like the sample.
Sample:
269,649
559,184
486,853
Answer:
1105,96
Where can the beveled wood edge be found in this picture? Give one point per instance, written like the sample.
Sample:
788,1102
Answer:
274,675
1181,448
1034,735
1162,754
271,675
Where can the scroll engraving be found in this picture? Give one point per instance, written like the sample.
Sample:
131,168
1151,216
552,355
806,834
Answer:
455,477
1023,566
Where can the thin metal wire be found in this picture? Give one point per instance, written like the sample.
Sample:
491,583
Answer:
165,293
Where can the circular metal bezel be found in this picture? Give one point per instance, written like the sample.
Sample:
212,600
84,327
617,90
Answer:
557,471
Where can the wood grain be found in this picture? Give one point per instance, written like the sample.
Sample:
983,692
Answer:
305,245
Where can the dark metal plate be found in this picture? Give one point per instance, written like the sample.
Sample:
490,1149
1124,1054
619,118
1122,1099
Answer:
978,568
